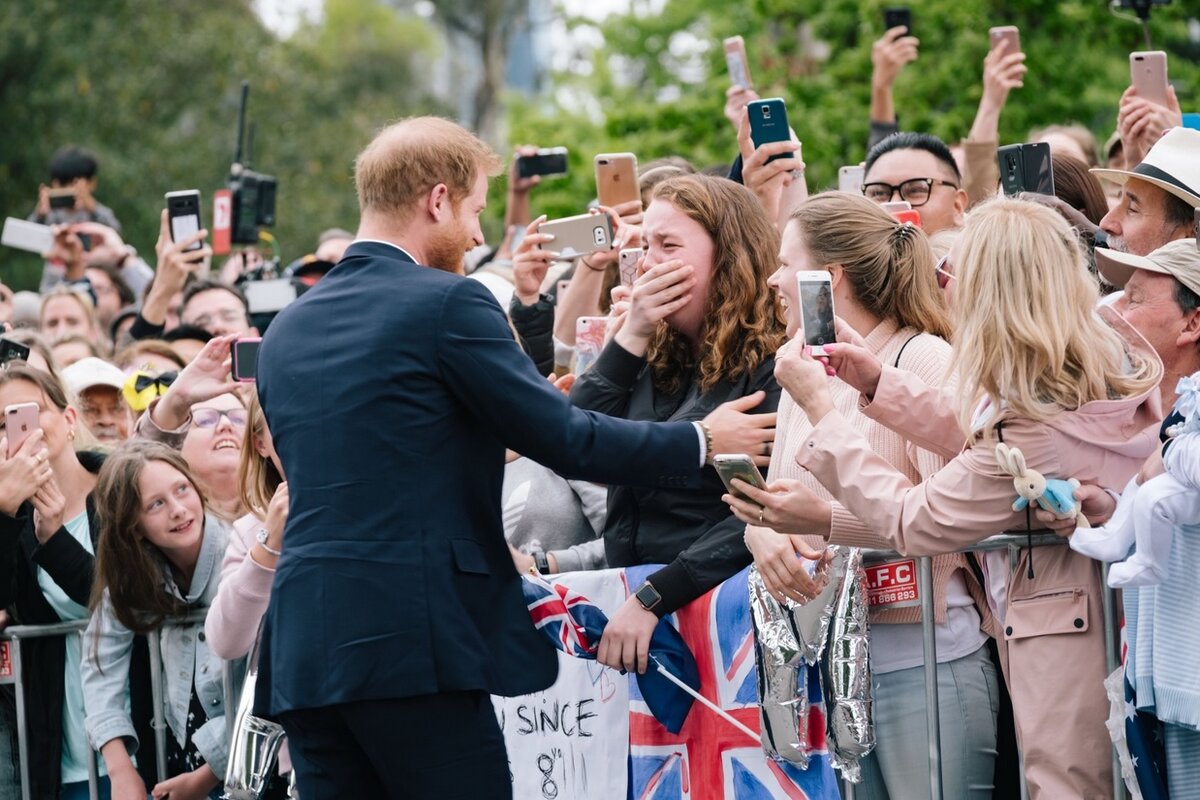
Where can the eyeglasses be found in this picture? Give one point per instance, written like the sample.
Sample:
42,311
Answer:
225,315
939,269
915,191
211,417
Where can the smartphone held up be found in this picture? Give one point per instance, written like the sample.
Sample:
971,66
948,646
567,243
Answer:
816,308
245,359
183,215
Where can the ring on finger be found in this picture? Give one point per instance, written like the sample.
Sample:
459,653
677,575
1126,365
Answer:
761,511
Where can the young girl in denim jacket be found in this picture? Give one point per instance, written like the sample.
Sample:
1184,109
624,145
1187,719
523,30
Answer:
159,555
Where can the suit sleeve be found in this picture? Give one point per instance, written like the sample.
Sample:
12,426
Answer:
487,371
967,501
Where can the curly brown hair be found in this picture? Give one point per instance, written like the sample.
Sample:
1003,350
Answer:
743,325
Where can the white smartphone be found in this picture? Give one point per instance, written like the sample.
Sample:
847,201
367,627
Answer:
850,179
628,264
267,297
735,60
737,465
816,306
25,235
20,421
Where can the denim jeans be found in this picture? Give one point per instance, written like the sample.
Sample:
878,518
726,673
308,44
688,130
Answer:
968,696
79,791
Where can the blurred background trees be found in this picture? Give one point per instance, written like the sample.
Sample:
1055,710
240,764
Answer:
152,88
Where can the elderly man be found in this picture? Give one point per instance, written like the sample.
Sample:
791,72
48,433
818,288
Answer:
96,385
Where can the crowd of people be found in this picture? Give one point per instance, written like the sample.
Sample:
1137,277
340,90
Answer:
377,590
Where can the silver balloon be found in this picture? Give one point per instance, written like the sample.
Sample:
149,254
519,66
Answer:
254,749
848,700
789,635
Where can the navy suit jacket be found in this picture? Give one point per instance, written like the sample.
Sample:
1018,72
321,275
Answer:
391,391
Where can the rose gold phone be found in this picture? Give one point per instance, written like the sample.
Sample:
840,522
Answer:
20,421
628,264
1148,75
616,179
1005,33
735,59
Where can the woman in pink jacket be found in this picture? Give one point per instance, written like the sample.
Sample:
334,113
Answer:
255,545
1034,367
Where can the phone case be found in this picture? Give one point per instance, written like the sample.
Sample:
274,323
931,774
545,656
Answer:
735,60
589,341
1039,169
33,237
617,179
850,179
1148,75
1012,169
548,161
244,372
20,421
13,351
628,264
816,308
730,466
1008,33
769,123
898,18
580,235
183,215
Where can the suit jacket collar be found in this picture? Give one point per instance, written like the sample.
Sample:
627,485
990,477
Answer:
376,248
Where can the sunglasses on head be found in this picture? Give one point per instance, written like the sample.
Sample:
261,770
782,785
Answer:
940,271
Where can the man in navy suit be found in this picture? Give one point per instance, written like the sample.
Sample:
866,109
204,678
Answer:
392,389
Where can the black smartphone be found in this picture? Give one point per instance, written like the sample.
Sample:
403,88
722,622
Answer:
245,359
12,351
548,161
1026,168
769,123
183,215
899,17
62,198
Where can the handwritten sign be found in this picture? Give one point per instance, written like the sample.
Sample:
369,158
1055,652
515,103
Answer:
571,742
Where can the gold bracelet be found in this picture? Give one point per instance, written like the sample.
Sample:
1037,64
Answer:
708,442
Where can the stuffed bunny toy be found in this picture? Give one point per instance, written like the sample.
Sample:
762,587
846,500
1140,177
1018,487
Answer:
1053,495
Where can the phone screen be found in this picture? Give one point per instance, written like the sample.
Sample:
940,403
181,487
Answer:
548,162
245,359
185,226
1039,171
730,467
816,306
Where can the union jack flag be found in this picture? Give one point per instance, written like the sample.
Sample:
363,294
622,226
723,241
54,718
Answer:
709,759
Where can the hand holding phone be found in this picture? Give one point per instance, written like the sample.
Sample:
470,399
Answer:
1007,35
183,213
245,359
769,123
898,17
1148,76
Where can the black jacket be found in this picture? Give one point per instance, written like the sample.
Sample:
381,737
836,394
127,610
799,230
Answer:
535,325
43,660
689,530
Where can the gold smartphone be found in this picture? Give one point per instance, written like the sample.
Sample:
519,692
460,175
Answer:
1005,33
617,179
735,60
1148,75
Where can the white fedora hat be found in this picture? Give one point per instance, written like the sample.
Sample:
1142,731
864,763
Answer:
1173,165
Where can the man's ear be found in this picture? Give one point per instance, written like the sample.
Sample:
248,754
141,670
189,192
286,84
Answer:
437,203
961,201
1189,334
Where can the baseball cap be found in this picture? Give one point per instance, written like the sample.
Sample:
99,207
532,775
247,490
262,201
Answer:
1179,259
89,372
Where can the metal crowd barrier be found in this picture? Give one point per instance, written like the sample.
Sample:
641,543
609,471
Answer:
1013,544
15,634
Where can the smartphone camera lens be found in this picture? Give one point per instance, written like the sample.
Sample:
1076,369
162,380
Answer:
766,111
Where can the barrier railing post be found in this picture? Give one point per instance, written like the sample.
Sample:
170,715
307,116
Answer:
932,712
93,775
22,740
231,698
847,790
1112,659
156,696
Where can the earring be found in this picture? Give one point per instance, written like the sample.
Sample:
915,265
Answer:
71,435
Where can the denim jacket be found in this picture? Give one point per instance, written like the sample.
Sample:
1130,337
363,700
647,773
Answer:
186,659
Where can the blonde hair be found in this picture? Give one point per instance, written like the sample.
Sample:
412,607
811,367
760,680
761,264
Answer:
1027,335
62,290
889,265
257,477
408,158
743,325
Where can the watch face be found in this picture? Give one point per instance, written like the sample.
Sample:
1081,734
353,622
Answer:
648,596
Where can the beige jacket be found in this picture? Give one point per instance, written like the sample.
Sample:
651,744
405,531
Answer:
1053,638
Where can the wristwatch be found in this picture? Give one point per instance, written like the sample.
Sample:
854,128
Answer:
541,562
648,596
261,538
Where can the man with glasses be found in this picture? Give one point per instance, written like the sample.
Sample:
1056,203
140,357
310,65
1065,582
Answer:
216,307
96,386
917,168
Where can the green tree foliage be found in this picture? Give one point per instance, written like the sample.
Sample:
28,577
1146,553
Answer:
153,90
659,80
